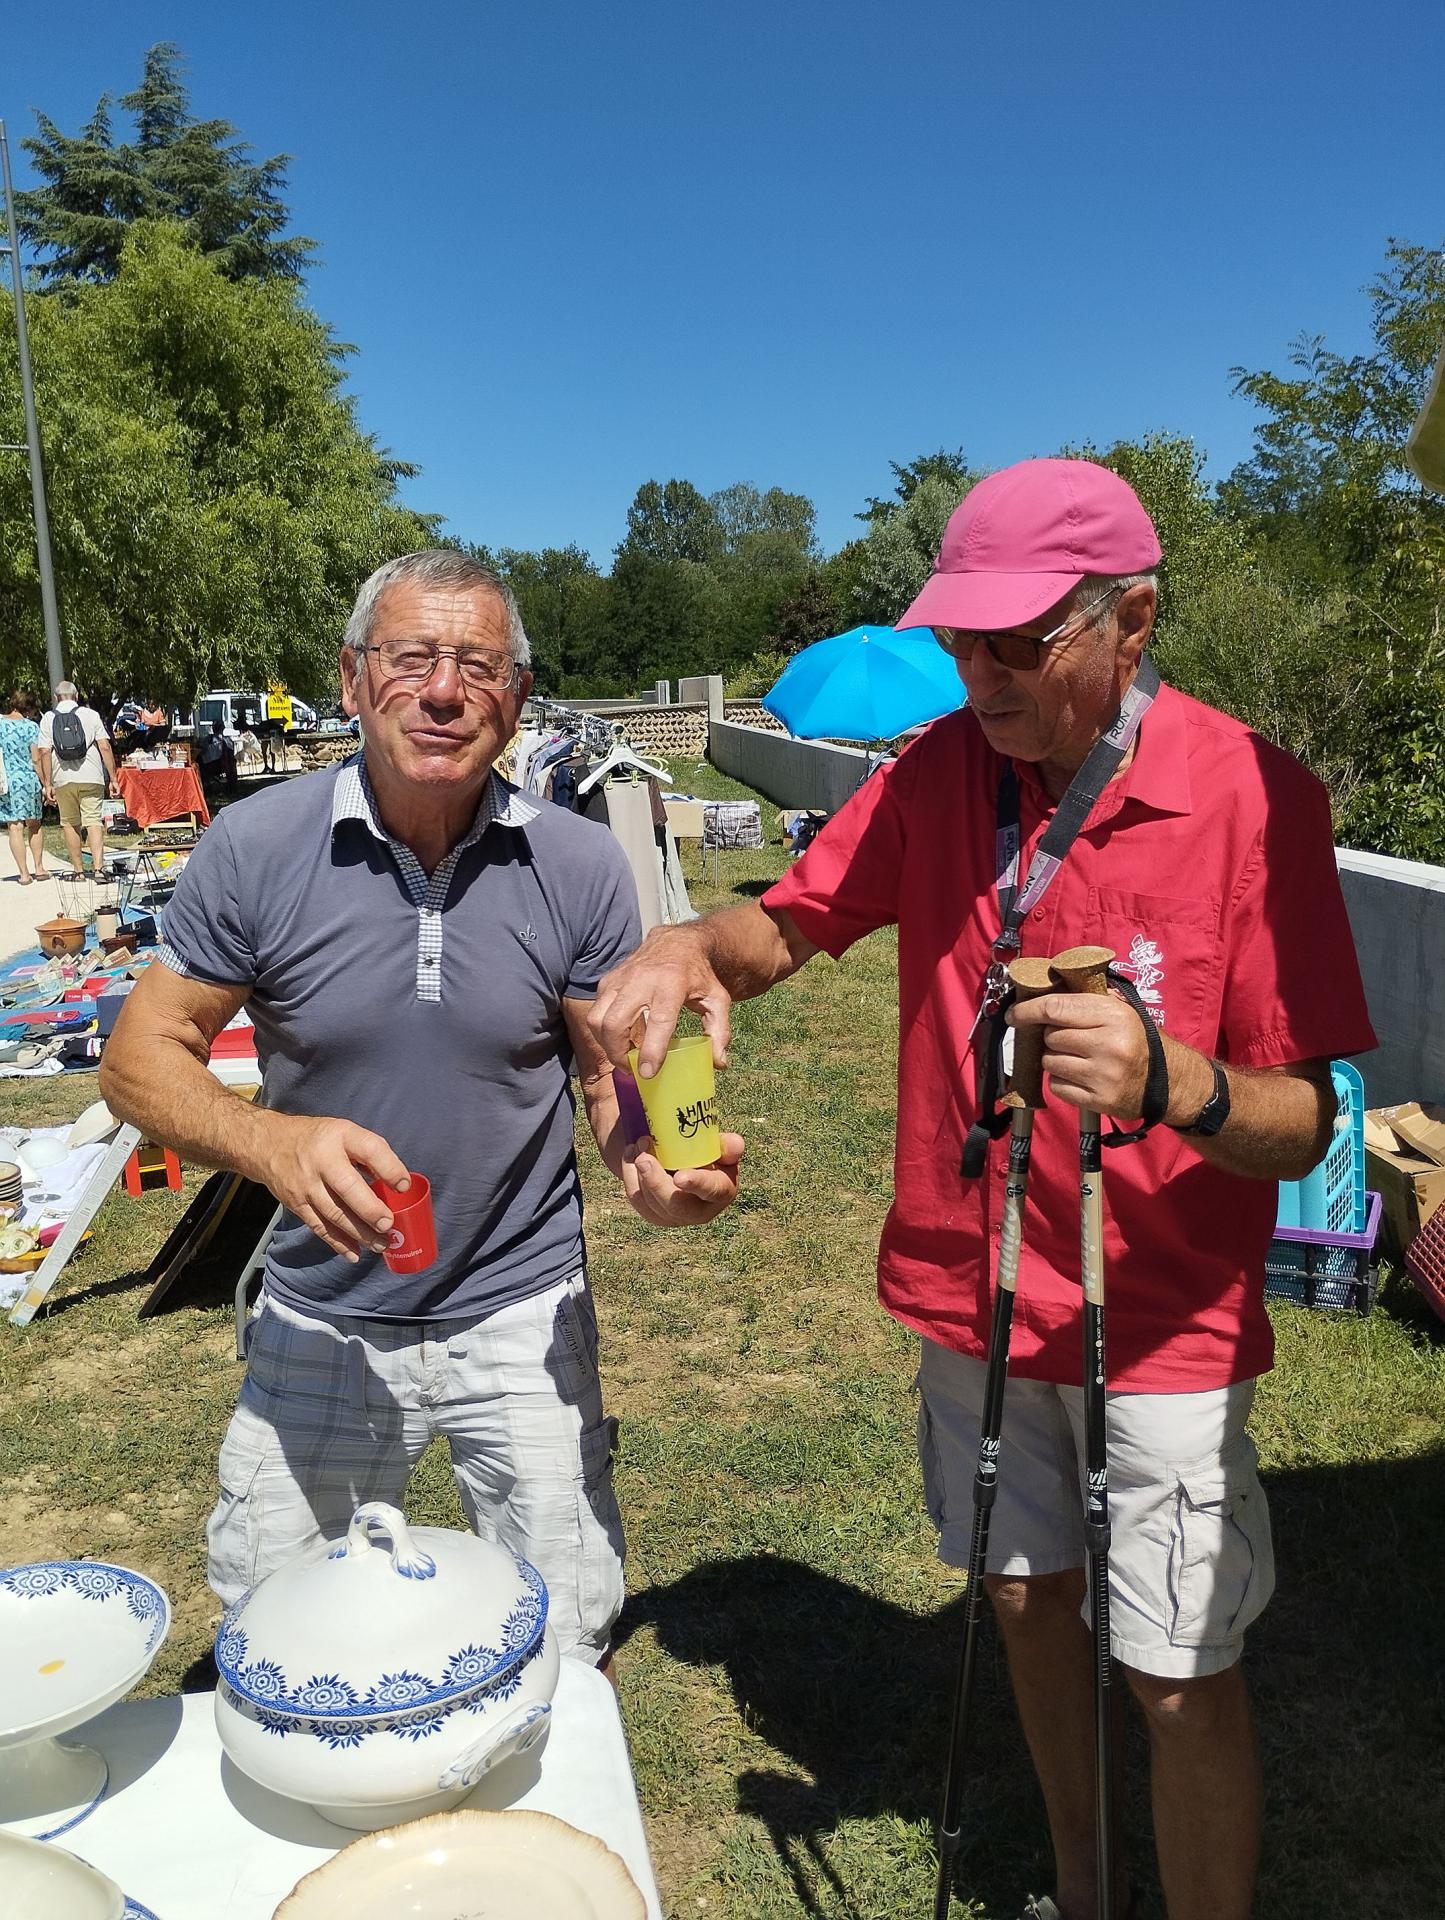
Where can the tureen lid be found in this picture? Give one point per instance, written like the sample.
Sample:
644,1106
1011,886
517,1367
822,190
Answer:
392,1617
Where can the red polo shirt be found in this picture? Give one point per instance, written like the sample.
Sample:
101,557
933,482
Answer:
1208,866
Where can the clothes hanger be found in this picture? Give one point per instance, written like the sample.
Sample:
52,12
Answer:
621,755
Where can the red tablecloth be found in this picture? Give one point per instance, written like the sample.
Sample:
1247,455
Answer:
162,793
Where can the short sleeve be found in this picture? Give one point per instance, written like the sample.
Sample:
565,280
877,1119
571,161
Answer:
1292,987
846,884
207,922
609,926
47,730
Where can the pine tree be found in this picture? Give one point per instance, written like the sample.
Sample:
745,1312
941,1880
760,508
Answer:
196,172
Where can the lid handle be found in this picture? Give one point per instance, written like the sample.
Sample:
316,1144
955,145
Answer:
376,1517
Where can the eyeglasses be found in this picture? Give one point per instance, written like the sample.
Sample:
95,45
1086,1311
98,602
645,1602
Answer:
1021,652
415,661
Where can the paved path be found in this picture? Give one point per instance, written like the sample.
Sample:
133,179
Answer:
23,908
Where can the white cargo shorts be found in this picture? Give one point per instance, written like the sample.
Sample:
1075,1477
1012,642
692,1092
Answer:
1191,1561
336,1411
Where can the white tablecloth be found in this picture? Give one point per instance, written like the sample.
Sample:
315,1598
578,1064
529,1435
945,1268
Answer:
189,1837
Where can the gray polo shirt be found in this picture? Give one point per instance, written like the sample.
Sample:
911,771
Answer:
427,1009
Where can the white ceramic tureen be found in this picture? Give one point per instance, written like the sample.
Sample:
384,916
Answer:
379,1678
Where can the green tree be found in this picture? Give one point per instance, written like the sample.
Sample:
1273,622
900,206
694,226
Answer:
196,172
951,468
1327,494
764,535
214,504
884,571
1200,543
671,521
562,600
662,619
1331,512
810,612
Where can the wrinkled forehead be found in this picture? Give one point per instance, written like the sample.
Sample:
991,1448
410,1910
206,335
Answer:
458,616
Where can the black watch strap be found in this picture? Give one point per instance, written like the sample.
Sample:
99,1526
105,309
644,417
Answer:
1215,1111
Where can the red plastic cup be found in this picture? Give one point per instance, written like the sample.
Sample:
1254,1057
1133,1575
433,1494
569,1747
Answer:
412,1244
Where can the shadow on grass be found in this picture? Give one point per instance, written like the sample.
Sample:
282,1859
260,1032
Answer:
752,889
58,1303
1344,1668
857,1692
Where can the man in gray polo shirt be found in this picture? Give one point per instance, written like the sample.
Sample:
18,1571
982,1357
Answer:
418,945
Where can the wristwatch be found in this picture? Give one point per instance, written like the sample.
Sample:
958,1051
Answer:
1215,1111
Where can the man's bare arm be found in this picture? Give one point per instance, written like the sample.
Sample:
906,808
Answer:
733,955
153,1073
1280,1118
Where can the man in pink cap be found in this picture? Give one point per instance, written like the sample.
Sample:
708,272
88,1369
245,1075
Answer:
1075,800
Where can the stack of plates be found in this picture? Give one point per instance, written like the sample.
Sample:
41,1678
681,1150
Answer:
9,1184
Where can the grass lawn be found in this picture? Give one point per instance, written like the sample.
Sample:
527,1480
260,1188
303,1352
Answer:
788,1649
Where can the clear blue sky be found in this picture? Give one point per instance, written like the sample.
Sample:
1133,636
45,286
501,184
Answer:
581,246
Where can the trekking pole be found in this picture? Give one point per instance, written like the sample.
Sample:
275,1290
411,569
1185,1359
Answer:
1026,1094
1084,970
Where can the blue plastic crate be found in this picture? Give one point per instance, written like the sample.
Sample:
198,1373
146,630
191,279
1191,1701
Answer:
1331,1199
1325,1269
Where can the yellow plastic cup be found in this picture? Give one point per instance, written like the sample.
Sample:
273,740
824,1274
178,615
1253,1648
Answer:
680,1101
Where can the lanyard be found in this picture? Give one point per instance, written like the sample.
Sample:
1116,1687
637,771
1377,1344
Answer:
1016,902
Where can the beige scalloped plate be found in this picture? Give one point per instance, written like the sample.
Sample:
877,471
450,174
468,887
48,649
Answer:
470,1866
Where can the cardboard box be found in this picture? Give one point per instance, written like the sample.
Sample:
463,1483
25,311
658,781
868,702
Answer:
1405,1163
687,818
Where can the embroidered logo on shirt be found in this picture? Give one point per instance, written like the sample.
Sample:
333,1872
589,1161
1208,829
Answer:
527,934
1146,963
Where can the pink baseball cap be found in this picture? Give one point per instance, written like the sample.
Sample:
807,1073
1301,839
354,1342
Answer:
1025,537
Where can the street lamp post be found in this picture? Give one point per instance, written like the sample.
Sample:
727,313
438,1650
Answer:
54,657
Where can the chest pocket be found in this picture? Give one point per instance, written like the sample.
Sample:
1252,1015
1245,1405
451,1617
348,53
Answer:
1170,948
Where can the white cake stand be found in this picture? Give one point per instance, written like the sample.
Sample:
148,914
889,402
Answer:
75,1636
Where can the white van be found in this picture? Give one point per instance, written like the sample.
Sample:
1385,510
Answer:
239,713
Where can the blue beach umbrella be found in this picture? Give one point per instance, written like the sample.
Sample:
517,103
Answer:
871,683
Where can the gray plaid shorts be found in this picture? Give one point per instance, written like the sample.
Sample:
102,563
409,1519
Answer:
336,1411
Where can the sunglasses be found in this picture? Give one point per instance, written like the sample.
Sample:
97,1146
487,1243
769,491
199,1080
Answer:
1020,652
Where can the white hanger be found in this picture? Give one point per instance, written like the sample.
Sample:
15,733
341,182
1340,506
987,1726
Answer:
621,755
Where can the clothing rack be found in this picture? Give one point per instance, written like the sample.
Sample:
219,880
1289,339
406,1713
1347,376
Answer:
591,729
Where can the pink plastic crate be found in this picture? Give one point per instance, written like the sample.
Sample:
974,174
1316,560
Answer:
1425,1257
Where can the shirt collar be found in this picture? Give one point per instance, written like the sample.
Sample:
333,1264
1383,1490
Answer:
353,799
1158,775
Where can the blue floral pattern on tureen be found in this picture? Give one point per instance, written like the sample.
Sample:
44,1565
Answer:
418,1724
335,1710
93,1580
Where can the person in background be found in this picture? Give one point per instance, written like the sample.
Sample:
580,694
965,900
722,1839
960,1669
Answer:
20,807
77,768
218,760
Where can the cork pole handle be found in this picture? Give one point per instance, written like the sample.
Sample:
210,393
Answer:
1083,969
1030,979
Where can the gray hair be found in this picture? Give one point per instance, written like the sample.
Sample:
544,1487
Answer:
67,690
1094,586
449,569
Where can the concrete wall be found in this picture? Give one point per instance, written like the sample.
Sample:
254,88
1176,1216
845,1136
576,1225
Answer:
707,687
1397,911
794,773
